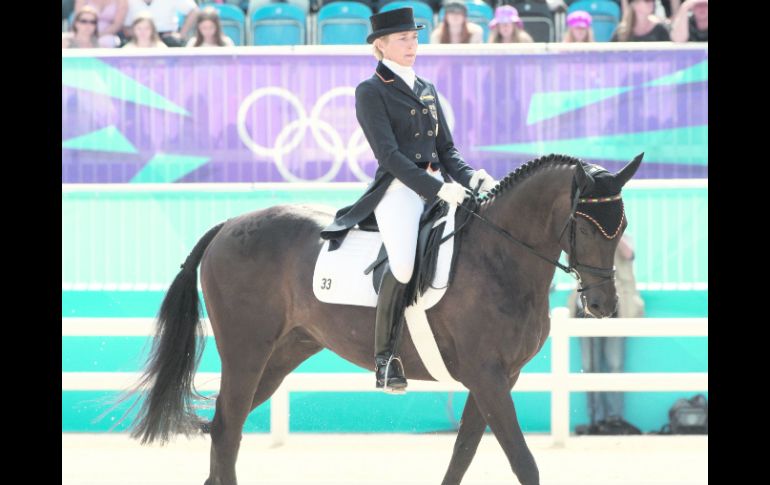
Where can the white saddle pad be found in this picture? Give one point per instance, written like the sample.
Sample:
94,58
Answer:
339,275
339,278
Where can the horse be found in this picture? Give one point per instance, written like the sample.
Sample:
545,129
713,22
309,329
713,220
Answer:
256,271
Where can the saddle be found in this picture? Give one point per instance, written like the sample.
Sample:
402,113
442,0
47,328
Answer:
351,273
429,237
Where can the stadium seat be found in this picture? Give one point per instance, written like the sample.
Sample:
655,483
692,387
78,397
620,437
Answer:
277,24
343,23
255,4
538,21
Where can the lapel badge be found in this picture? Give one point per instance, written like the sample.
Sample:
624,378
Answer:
433,111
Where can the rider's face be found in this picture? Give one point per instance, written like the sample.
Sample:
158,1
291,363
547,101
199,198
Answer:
400,47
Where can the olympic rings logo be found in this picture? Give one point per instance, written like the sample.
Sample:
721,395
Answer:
327,137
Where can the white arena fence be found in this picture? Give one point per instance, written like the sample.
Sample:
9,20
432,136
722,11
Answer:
559,382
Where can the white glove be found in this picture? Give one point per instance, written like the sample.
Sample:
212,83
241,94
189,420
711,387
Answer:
453,193
487,182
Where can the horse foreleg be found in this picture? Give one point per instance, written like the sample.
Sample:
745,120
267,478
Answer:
472,426
493,398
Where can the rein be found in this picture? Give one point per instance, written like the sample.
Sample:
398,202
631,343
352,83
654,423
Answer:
605,274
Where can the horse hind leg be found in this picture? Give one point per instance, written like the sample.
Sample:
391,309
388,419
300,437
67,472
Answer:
294,349
291,351
232,407
240,379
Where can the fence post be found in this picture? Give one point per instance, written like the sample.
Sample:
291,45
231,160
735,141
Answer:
279,415
560,374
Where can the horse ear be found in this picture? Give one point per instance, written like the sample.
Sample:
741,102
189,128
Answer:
584,181
625,173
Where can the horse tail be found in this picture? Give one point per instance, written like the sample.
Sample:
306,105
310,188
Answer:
174,357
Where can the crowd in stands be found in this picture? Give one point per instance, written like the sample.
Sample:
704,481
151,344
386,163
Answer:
179,23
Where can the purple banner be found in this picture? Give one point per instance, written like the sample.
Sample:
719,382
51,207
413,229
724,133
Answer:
260,118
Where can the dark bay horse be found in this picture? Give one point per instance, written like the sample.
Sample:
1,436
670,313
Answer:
256,274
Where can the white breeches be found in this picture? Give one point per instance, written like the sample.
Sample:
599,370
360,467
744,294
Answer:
398,218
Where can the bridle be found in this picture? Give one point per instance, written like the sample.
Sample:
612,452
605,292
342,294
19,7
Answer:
574,268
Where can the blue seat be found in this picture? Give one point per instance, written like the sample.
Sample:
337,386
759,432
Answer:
479,13
538,20
233,21
423,14
344,23
277,24
255,4
605,16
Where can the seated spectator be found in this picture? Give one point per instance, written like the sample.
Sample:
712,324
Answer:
144,34
692,28
85,33
111,15
455,29
639,24
164,14
507,27
579,27
208,31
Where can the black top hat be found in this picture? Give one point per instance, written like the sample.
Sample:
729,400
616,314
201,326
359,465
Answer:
398,20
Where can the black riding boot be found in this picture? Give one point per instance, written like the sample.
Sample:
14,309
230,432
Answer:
390,317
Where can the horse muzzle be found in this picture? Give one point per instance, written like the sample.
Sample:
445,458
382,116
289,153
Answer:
600,304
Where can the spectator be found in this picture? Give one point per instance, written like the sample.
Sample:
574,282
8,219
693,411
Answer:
85,33
208,31
144,34
455,29
507,27
579,27
164,14
692,28
639,24
111,15
607,354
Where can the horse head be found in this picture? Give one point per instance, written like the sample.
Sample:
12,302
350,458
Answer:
595,231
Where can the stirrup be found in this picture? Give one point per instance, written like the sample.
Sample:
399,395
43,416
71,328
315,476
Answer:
393,390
